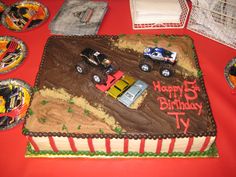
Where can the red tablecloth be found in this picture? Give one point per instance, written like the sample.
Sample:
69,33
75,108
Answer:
213,58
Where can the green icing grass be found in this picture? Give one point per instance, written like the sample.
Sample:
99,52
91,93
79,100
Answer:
199,73
86,112
44,102
70,110
35,89
25,130
71,101
30,111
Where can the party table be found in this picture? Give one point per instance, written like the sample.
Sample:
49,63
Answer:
213,57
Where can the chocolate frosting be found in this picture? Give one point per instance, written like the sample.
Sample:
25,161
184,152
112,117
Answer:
58,71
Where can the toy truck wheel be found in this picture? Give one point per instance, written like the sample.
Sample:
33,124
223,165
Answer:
147,57
166,70
82,67
99,77
146,65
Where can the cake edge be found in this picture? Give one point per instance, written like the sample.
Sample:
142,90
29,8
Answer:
130,136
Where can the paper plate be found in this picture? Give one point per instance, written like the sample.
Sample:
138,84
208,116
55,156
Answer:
2,8
24,15
230,73
14,101
12,53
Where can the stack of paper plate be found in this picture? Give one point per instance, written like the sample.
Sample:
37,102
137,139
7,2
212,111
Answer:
158,14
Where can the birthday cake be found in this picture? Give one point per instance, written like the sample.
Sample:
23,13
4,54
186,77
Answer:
120,96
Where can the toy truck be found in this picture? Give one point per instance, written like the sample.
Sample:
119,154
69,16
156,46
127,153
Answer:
96,62
165,58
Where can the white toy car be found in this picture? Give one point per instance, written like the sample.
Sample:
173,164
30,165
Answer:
129,96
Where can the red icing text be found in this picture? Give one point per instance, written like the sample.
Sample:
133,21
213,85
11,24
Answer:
177,104
179,120
181,98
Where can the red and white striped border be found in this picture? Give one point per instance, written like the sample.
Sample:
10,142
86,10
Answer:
185,145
